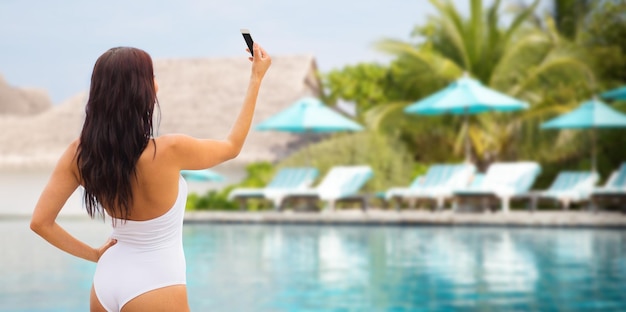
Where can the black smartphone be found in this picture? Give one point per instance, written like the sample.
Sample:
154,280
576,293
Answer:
248,39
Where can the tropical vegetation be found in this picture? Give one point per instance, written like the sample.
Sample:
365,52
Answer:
553,60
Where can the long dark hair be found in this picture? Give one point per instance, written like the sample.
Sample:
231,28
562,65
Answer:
117,129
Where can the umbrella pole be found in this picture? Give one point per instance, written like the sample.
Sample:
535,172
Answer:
308,155
307,139
593,150
467,142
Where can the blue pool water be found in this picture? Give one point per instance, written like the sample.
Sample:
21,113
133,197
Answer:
347,268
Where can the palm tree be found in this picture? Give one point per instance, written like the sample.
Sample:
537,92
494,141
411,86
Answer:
537,65
569,16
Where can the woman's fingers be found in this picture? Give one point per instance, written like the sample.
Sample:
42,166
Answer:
110,242
259,49
261,60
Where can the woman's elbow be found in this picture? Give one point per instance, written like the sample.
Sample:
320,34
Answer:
37,225
232,152
230,155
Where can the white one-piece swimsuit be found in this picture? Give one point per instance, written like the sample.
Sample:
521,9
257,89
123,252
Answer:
148,255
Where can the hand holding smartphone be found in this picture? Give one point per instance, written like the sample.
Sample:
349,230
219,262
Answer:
246,36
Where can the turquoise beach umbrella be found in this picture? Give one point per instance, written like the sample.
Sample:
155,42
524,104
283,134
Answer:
615,94
308,115
465,96
202,175
591,114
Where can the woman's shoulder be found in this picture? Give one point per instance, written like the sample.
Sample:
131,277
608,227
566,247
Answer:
169,141
72,148
168,145
74,144
68,161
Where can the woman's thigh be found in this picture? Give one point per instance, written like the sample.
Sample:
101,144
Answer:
94,303
170,298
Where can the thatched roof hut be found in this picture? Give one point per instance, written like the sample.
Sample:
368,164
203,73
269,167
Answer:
199,97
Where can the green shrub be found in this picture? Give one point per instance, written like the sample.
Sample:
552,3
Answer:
258,175
389,158
215,200
192,201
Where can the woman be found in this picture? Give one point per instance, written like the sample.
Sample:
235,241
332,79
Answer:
135,179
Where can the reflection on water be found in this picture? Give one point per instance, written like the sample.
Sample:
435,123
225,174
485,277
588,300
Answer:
350,268
34,276
319,268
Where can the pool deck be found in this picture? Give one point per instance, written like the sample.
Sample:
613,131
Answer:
417,217
516,218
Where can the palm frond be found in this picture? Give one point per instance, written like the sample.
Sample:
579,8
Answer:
529,49
452,28
519,20
426,58
376,116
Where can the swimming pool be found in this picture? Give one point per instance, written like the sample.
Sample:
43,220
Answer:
347,268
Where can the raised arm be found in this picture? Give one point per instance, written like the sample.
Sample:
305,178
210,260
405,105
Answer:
195,153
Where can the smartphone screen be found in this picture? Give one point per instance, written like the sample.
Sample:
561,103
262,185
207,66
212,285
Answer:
248,39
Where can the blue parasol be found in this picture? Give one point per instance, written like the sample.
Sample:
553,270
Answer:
465,96
308,115
615,94
591,114
202,175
